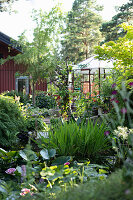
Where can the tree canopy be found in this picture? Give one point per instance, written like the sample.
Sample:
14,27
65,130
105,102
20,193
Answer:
82,30
38,55
6,5
110,29
121,51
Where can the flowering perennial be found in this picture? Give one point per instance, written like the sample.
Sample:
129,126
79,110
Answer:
106,133
10,171
131,84
114,92
67,163
124,110
25,191
123,132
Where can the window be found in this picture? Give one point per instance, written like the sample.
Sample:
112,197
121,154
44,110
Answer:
22,84
1,55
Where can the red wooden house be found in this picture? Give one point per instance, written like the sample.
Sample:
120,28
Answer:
8,79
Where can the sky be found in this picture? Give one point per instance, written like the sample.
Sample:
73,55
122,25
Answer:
15,23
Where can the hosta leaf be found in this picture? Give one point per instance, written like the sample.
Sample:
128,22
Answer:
61,160
52,153
23,155
3,151
44,153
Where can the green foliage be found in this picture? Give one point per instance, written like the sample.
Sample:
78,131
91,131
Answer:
128,163
11,121
112,188
34,124
34,118
23,98
80,104
8,159
60,176
8,190
122,109
110,29
120,143
45,101
88,106
55,178
47,154
39,54
60,78
84,141
121,52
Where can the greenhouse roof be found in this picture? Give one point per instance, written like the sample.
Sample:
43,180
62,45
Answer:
94,63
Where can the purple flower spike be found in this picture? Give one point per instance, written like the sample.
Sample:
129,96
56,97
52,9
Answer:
114,85
124,110
106,133
23,170
114,92
131,84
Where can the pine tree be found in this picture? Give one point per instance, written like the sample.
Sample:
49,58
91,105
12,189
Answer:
110,29
82,30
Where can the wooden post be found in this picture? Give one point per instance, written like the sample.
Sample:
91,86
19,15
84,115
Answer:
99,81
104,74
73,81
90,82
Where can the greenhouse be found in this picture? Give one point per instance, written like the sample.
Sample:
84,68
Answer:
89,70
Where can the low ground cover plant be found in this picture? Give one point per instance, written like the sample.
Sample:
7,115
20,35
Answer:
119,185
42,174
112,188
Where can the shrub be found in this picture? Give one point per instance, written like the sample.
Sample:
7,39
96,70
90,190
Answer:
34,118
84,141
45,101
11,121
35,124
23,98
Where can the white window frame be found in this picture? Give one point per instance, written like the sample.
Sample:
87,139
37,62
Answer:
26,78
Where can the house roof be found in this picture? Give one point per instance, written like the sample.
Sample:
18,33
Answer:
9,41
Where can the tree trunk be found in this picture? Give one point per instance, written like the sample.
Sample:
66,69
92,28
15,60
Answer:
33,93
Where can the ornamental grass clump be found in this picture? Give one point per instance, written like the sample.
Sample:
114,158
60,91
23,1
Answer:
82,141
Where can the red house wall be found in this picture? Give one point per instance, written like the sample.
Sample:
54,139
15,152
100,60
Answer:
8,70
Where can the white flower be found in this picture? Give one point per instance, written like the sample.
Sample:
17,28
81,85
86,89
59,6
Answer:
122,132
